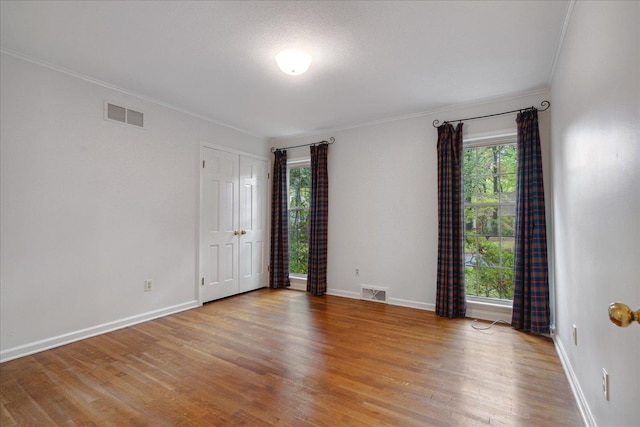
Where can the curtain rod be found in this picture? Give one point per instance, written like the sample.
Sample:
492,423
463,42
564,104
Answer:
331,141
545,104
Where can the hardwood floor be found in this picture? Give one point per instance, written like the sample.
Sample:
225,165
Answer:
281,357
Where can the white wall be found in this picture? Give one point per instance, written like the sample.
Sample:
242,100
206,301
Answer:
91,208
383,216
596,166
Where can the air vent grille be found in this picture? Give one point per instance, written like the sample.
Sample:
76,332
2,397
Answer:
116,113
120,114
372,293
135,118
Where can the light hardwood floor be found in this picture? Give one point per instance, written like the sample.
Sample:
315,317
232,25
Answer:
281,357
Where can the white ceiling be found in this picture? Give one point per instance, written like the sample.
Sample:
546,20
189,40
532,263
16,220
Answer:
371,60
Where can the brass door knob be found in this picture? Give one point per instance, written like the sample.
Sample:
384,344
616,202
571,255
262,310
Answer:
243,232
621,315
236,232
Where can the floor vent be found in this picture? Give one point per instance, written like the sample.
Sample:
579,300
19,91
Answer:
371,293
120,114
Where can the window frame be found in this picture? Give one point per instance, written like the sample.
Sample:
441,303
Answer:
510,137
295,163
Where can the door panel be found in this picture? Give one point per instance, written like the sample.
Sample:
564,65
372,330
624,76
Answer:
219,220
253,209
214,265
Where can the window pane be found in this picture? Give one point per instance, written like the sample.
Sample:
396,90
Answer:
470,220
508,188
488,282
487,162
508,251
471,251
299,183
508,159
507,220
487,189
506,284
470,281
468,174
488,220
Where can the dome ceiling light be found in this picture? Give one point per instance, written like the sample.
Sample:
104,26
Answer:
293,61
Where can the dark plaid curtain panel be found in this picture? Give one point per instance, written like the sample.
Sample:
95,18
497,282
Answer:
531,281
450,296
318,221
279,273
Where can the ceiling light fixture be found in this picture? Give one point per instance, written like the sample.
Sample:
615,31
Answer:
293,61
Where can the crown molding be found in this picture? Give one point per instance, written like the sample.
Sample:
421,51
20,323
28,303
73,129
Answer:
563,33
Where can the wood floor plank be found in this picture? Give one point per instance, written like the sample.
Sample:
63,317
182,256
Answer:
281,357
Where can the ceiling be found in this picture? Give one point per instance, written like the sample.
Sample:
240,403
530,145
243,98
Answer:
371,60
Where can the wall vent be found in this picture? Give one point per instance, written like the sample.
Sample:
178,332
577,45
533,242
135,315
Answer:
373,293
120,114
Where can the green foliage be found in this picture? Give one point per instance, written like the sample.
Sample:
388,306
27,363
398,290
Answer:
299,187
489,267
489,179
489,174
299,200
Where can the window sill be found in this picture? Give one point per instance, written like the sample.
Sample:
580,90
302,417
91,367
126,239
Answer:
489,310
298,282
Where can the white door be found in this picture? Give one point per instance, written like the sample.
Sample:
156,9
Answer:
253,210
233,224
219,224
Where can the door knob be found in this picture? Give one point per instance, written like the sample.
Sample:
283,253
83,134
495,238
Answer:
243,232
236,232
621,315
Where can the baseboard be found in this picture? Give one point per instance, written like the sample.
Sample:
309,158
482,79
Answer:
412,304
583,406
391,301
345,294
49,343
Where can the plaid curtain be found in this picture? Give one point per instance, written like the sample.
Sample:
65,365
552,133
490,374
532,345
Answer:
531,281
279,273
450,296
318,221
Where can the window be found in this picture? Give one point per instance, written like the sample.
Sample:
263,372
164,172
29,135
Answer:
299,182
489,186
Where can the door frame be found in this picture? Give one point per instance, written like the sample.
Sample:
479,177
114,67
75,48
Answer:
198,266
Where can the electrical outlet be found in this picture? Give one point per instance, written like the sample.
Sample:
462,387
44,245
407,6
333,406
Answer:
575,335
605,384
357,271
148,285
